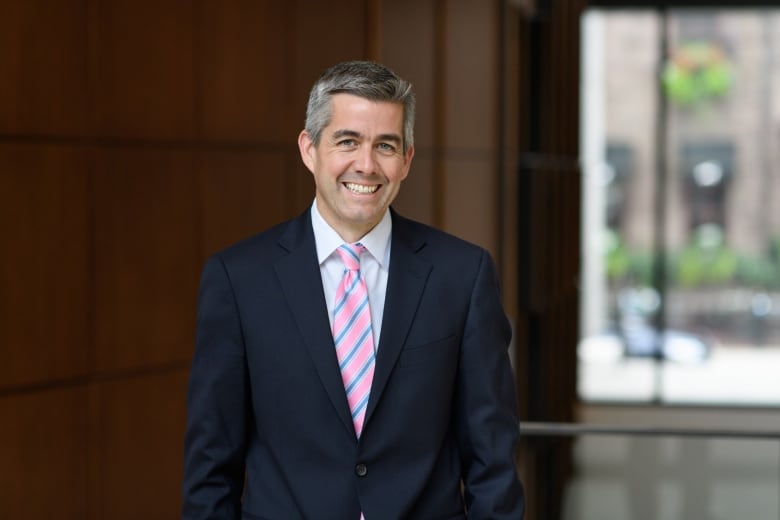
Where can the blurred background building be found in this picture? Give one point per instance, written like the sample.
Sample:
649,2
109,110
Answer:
682,254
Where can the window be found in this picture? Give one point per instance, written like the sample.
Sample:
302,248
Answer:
680,294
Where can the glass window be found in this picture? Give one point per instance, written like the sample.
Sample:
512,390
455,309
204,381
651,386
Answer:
680,135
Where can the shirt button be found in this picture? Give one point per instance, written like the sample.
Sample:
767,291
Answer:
361,470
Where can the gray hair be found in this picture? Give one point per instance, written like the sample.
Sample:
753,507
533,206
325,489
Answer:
364,79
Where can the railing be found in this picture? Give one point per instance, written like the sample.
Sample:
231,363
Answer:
548,429
668,473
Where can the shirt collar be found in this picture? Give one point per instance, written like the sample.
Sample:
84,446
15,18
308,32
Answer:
376,241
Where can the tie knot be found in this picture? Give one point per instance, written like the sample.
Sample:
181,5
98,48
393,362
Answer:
350,255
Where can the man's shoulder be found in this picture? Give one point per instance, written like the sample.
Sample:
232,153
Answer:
266,244
433,238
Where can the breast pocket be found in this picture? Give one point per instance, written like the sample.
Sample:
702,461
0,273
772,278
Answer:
431,352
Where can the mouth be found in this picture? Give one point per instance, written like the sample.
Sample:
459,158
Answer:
361,189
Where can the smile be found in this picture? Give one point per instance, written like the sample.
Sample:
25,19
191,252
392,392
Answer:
360,188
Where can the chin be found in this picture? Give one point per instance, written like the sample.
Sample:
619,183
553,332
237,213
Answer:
363,218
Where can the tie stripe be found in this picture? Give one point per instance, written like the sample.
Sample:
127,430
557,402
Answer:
352,335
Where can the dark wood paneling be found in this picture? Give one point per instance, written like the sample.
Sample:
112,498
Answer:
300,184
147,256
43,66
471,192
44,284
137,428
242,193
509,120
412,56
471,75
144,81
43,452
414,199
244,71
555,84
323,34
320,37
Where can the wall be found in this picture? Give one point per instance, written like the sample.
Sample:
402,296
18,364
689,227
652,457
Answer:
137,137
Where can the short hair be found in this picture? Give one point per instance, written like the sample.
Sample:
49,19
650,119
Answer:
364,79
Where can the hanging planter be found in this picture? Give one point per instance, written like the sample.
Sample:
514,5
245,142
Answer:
696,73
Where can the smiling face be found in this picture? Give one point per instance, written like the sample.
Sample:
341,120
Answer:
358,164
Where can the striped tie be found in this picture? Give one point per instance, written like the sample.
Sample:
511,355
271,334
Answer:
352,334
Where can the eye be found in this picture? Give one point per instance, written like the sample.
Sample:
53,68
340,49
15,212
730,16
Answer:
386,147
347,143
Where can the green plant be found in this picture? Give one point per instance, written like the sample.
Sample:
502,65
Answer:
761,271
697,72
615,257
622,263
757,272
774,251
697,265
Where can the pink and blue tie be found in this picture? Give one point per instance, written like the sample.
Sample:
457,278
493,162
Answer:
352,334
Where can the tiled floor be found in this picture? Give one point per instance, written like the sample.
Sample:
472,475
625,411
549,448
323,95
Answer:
672,478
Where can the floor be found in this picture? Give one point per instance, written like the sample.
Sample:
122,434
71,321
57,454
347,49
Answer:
671,478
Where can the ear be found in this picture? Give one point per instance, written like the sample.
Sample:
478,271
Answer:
408,161
307,148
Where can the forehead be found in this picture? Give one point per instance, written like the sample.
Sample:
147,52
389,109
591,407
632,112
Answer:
350,110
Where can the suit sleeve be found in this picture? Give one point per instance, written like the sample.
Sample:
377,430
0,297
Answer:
215,439
488,428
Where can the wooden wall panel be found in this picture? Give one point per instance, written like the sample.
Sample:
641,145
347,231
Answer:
137,429
242,193
44,285
43,46
509,117
323,34
410,42
244,70
470,112
43,446
413,57
472,188
319,37
449,50
300,183
471,75
144,68
414,199
146,256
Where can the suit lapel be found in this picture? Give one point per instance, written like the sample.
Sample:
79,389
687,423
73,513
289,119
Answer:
301,282
299,273
406,282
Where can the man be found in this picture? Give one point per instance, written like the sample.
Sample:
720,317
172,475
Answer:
351,363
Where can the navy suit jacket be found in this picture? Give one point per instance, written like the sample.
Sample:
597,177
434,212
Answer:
269,433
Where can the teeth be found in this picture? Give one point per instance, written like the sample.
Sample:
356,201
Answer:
359,188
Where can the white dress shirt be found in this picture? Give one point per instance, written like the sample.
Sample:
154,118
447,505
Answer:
374,264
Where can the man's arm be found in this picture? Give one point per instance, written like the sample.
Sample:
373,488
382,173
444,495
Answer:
215,440
486,406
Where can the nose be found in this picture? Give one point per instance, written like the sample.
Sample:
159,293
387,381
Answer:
364,161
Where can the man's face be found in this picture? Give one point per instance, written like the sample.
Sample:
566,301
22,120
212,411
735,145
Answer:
359,163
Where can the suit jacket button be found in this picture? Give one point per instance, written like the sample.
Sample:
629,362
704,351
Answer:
361,470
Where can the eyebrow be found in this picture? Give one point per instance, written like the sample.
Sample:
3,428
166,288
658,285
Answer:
394,138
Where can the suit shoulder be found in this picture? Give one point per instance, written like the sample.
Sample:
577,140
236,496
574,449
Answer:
260,248
257,243
438,240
